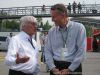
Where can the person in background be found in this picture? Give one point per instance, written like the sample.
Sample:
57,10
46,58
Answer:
43,40
9,38
74,6
69,8
22,54
43,10
95,44
65,48
79,7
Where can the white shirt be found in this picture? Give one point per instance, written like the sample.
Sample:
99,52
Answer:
8,39
20,44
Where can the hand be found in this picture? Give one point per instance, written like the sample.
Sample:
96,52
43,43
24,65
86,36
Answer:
65,72
56,71
21,60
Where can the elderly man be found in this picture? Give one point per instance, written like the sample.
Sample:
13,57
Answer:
22,52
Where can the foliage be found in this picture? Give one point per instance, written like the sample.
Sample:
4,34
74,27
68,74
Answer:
88,31
46,26
41,25
13,25
39,20
10,25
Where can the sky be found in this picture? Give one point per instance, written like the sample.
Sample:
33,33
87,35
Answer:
22,3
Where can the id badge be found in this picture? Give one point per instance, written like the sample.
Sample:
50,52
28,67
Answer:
64,53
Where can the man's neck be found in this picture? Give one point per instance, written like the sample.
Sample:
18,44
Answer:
64,25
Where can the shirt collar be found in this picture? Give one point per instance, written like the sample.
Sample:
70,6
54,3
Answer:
67,25
25,35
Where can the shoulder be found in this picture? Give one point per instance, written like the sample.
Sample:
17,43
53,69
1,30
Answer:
16,37
77,25
53,29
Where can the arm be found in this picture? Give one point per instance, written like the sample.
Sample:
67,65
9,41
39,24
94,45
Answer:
49,58
49,54
81,48
21,60
11,54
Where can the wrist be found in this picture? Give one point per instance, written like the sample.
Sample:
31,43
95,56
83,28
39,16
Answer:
53,69
17,61
69,70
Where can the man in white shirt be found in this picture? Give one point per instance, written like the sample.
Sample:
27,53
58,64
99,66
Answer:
22,52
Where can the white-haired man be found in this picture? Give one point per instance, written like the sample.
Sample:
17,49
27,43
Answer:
22,52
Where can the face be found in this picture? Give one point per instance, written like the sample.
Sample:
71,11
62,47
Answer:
45,33
30,28
11,34
57,18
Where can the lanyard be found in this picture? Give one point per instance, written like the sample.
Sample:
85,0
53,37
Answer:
66,37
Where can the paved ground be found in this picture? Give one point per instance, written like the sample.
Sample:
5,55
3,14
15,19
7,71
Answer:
91,66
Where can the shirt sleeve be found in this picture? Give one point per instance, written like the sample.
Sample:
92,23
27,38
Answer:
11,54
48,53
81,48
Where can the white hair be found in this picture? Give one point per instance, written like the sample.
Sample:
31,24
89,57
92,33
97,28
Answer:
26,19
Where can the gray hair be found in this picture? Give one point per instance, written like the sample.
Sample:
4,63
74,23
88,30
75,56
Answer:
26,19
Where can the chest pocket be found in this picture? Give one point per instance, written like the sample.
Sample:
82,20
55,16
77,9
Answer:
72,37
24,48
57,41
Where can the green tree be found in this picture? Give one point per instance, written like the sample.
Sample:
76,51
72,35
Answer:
10,25
88,30
47,26
41,25
39,20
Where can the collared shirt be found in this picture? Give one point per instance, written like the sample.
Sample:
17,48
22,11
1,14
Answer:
20,44
75,40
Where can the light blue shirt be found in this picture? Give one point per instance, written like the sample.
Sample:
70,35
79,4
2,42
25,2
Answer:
74,37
